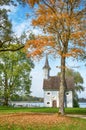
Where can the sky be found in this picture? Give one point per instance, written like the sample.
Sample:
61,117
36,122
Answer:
21,23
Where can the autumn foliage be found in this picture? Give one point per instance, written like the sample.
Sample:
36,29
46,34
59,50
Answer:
63,25
39,44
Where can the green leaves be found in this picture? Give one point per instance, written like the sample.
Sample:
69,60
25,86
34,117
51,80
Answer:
8,42
15,71
78,83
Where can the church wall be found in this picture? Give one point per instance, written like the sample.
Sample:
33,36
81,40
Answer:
55,97
49,97
69,98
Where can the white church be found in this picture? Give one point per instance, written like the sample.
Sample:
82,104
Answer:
51,88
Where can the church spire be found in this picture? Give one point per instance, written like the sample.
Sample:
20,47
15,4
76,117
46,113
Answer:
46,63
46,68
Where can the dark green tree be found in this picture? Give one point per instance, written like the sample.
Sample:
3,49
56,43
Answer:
15,76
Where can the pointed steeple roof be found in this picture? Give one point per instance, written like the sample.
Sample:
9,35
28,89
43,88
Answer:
46,63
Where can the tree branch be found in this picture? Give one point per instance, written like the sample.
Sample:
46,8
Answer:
4,50
49,6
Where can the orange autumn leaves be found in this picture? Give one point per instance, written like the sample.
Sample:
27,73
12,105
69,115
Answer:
32,2
62,27
37,46
26,119
41,43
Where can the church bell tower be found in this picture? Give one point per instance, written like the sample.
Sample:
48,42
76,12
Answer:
46,69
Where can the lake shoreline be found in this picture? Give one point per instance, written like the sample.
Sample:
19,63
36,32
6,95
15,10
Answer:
37,104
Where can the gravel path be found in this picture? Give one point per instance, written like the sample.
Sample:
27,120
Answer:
79,116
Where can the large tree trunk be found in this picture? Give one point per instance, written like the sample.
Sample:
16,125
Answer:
6,97
6,100
62,87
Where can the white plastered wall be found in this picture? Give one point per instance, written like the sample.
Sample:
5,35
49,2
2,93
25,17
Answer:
49,96
69,97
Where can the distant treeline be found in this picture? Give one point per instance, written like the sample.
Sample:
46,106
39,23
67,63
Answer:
27,98
82,99
34,99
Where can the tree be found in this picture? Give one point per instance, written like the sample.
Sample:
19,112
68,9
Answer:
78,84
15,76
63,24
8,42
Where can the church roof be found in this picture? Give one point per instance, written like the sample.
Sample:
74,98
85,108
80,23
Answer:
53,83
46,63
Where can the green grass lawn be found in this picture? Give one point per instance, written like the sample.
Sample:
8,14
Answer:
76,124
42,110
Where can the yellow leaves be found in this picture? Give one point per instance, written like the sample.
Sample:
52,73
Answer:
34,53
44,16
75,35
52,1
32,2
40,21
41,43
23,119
33,48
37,46
64,54
76,50
41,10
74,53
61,20
67,55
78,35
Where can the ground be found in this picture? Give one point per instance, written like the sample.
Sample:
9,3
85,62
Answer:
31,118
41,121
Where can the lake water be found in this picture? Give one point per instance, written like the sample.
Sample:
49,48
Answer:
37,104
82,104
27,104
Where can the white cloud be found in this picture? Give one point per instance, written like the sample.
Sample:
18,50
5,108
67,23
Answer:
19,28
37,31
12,8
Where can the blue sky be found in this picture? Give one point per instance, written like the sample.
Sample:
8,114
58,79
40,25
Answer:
22,23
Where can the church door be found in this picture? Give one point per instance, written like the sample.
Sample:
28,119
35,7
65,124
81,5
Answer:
54,103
